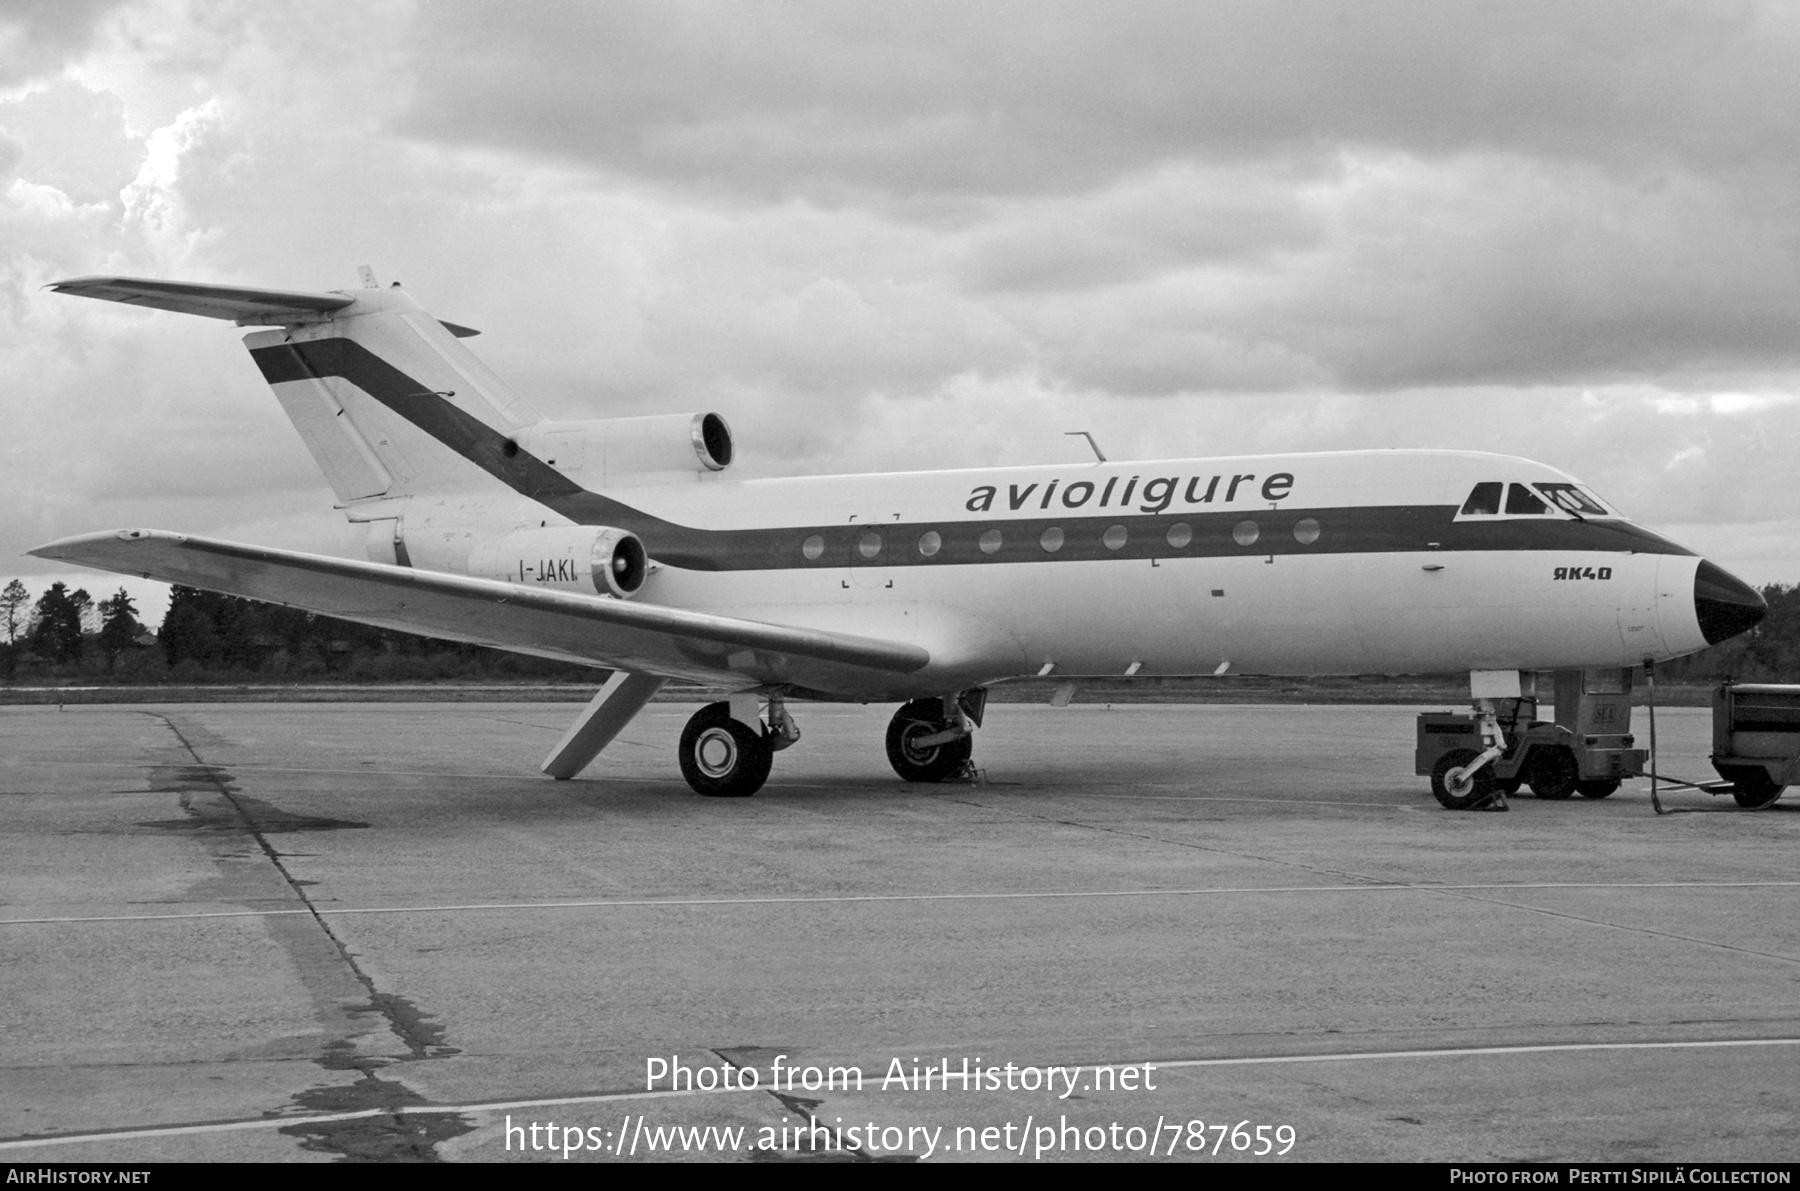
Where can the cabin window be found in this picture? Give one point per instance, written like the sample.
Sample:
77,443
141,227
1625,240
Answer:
1306,531
1245,533
1052,540
1114,537
989,541
1484,500
870,545
813,547
930,542
1571,499
1520,502
1180,534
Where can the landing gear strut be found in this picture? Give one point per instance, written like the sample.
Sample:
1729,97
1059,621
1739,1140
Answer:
1458,787
1464,780
931,740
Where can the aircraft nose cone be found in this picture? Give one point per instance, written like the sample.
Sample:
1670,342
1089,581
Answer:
1725,604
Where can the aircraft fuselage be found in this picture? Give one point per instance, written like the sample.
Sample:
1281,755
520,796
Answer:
1336,563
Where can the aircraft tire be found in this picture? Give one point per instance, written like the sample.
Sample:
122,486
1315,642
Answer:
1554,774
919,718
1481,786
1753,788
1597,787
722,758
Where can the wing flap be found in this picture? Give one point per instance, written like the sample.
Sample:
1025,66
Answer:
251,307
644,638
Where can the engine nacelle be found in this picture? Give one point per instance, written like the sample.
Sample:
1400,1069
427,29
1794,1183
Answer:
579,558
659,449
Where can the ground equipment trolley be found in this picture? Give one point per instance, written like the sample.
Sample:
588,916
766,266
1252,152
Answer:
1587,749
1756,740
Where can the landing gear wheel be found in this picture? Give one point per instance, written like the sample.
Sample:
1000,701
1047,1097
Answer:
1754,788
721,757
1554,774
928,763
1597,787
1467,794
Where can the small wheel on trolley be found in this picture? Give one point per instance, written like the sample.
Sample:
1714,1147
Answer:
1555,775
1753,787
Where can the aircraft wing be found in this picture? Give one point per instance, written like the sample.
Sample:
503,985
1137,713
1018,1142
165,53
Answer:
592,630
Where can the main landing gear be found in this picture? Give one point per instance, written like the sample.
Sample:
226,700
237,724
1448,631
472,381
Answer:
724,756
932,740
727,749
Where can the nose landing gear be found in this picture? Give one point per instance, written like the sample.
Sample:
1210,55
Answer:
1464,780
1458,784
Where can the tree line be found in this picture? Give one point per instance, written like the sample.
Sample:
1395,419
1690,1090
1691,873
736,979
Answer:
206,637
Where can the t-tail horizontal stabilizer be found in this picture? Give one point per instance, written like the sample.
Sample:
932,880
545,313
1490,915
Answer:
242,305
591,630
248,307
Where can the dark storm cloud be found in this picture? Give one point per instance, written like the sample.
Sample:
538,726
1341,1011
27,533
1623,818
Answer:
1003,98
1243,194
1506,270
1393,272
1175,218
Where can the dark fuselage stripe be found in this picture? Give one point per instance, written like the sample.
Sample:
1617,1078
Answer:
1341,530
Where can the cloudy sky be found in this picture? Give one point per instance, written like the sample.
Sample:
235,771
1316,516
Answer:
920,235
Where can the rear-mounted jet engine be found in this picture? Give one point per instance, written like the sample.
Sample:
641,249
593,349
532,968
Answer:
666,448
577,558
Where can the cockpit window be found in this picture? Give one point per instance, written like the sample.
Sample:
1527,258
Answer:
1571,499
1493,498
1484,500
1521,503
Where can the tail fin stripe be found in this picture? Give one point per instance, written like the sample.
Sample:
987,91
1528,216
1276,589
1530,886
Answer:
463,433
480,444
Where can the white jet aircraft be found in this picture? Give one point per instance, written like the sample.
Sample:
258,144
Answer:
625,545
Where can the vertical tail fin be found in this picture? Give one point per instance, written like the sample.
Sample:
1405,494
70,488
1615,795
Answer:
385,398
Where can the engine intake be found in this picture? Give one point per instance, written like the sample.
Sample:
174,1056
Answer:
712,441
580,558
